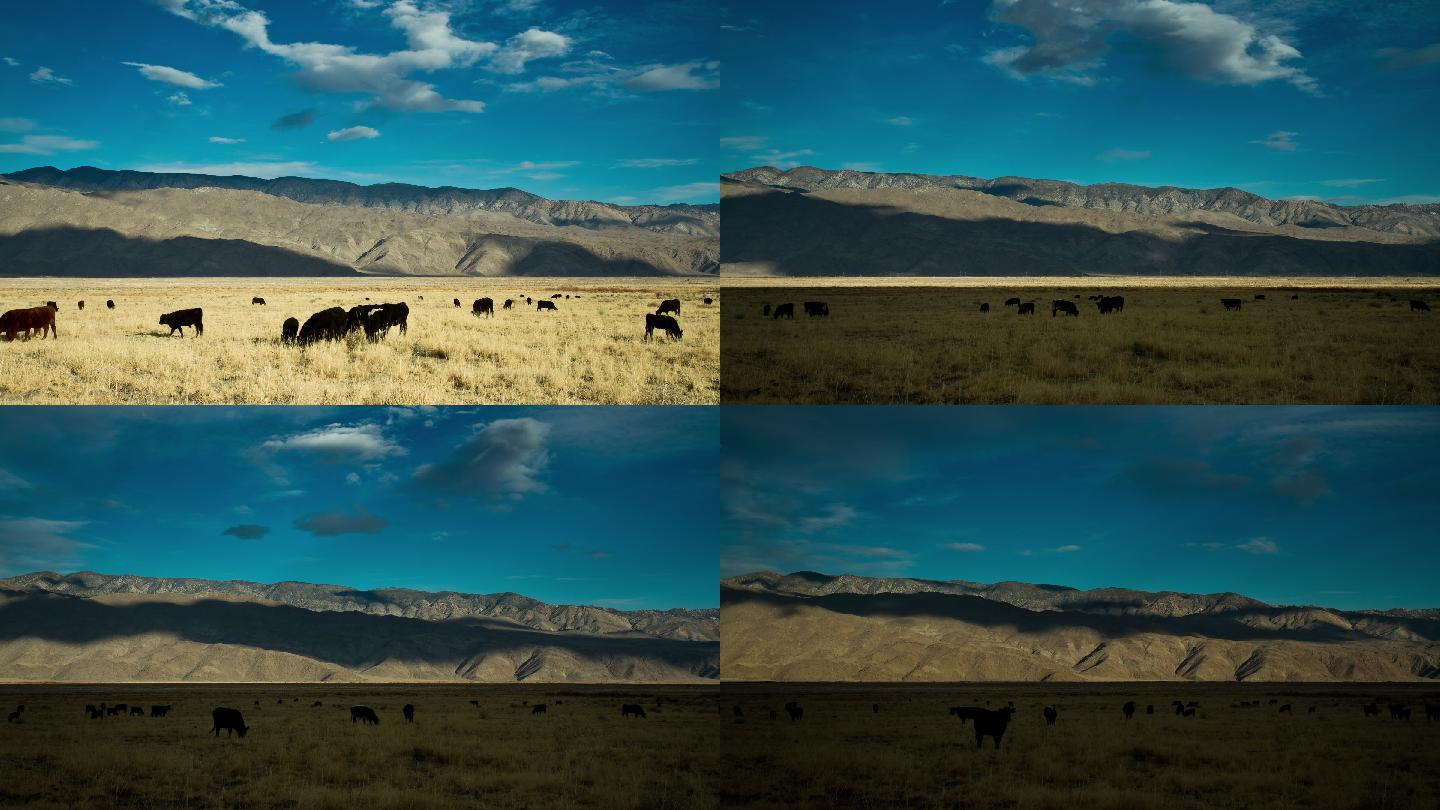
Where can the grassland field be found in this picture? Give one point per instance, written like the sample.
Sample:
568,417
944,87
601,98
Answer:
913,754
1359,343
579,754
590,351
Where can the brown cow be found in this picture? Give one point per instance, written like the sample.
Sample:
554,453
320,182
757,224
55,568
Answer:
27,321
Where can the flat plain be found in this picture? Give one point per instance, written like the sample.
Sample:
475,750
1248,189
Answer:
579,753
591,350
912,753
892,341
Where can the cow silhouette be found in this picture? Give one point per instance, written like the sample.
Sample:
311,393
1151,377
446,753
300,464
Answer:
159,710
1128,709
1432,711
457,302
1231,303
1050,715
984,308
667,306
796,712
109,304
817,309
1067,307
181,318
483,306
544,305
1260,297
137,710
257,300
707,300
1399,712
1012,302
1110,303
1026,309
875,708
290,330
992,724
364,714
1371,709
665,323
509,304
1150,709
15,715
1286,709
80,304
229,719
766,311
409,712
538,708
965,713
632,710
783,311
1416,305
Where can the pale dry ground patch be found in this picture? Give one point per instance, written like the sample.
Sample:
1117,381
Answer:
591,351
580,754
913,754
1171,345
753,274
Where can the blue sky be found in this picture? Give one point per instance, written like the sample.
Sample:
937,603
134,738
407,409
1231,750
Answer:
1331,506
583,505
1329,99
613,101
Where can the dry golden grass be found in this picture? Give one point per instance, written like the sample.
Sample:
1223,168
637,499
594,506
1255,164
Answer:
589,352
580,754
913,754
1171,345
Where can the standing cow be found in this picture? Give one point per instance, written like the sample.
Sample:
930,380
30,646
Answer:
632,710
181,318
1231,304
668,305
1026,309
483,306
1416,305
1068,307
783,311
817,309
409,712
669,325
365,714
541,306
229,719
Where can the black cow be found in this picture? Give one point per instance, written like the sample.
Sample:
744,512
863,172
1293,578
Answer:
317,704
1311,710
1432,711
1110,303
670,326
1399,712
984,307
80,304
89,708
1129,709
1012,302
483,306
181,318
120,708
409,712
53,306
875,708
765,313
457,302
556,295
137,710
1371,709
380,319
1260,297
795,711
706,300
15,715
1231,303
365,714
538,708
289,330
1286,709
257,300
965,713
1068,307
544,305
109,304
737,711
668,305
529,301
632,710
1416,305
991,724
328,324
230,720
509,303
1026,309
817,309
1050,715
160,710
783,311
96,714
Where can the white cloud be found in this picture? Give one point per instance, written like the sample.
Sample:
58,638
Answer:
1114,155
265,169
170,75
655,163
12,62
338,443
353,134
781,160
47,145
743,143
179,99
968,548
686,76
503,459
16,125
1259,545
44,75
1071,39
225,141
9,480
900,121
527,46
1279,140
689,191
1068,549
1352,183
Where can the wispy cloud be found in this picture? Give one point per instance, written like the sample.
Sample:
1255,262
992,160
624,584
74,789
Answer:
1279,140
44,75
47,145
1116,155
175,76
353,134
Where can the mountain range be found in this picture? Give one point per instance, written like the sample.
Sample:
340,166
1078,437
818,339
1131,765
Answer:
807,626
816,222
98,627
97,222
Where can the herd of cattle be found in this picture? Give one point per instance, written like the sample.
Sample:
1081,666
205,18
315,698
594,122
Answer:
993,722
335,323
1105,304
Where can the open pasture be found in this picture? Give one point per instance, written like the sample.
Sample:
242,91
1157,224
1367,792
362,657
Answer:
913,753
495,752
1171,344
590,350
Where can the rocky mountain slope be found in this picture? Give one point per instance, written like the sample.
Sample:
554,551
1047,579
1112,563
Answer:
809,626
88,222
89,626
809,221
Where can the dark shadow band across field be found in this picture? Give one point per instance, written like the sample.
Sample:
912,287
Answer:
1171,344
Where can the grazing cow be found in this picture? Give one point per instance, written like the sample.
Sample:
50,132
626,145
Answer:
475,703
378,321
1231,303
632,710
538,708
1432,711
137,710
109,304
984,308
257,301
1295,297
765,313
1012,302
327,324
1371,709
483,306
160,710
795,711
54,307
817,309
14,717
409,712
509,303
1416,305
28,321
228,719
1026,309
1068,307
96,714
1260,297
1110,303
556,295
364,713
111,711
1286,709
181,318
783,311
1399,712
669,325
1311,710
457,302
991,724
544,305
706,300
1050,715
317,704
1128,708
80,304
289,330
120,708
667,306
89,708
